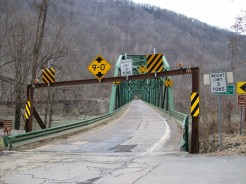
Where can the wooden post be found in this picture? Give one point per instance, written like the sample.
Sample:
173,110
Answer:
195,120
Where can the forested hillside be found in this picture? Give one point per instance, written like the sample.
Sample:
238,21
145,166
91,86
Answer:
113,27
73,32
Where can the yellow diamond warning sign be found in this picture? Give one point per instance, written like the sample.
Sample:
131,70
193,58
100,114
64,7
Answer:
99,67
168,83
142,69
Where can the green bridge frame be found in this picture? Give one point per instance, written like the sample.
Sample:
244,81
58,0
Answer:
151,90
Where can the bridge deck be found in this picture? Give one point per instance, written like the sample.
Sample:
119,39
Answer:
139,129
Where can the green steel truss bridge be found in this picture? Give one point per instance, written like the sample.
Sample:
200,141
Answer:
151,90
149,82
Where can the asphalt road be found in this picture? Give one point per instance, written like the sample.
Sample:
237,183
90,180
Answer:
138,148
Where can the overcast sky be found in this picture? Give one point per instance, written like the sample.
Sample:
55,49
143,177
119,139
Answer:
219,13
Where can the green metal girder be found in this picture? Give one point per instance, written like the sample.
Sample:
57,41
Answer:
113,92
151,90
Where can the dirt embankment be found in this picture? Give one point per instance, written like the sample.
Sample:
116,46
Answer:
232,144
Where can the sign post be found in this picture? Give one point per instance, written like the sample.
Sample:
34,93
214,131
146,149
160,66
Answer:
241,122
218,86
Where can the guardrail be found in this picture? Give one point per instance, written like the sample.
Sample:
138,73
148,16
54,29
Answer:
183,121
30,137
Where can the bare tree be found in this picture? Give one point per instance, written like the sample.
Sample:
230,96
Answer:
40,30
23,49
240,23
238,41
15,48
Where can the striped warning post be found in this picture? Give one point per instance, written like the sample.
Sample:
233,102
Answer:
48,75
28,109
195,110
154,63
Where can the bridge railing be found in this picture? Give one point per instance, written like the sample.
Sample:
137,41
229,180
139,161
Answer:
182,120
30,137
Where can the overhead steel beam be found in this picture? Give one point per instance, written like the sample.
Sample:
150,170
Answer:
113,79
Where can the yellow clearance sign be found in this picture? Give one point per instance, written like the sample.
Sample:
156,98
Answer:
99,67
241,87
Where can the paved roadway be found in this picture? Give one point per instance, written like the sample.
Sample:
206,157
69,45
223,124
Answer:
140,147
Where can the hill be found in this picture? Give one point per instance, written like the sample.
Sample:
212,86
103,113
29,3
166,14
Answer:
117,27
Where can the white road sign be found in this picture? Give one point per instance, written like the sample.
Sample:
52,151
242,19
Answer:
126,67
218,82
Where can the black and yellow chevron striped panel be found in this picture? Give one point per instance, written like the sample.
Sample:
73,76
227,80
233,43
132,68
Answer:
154,63
27,111
48,75
195,110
